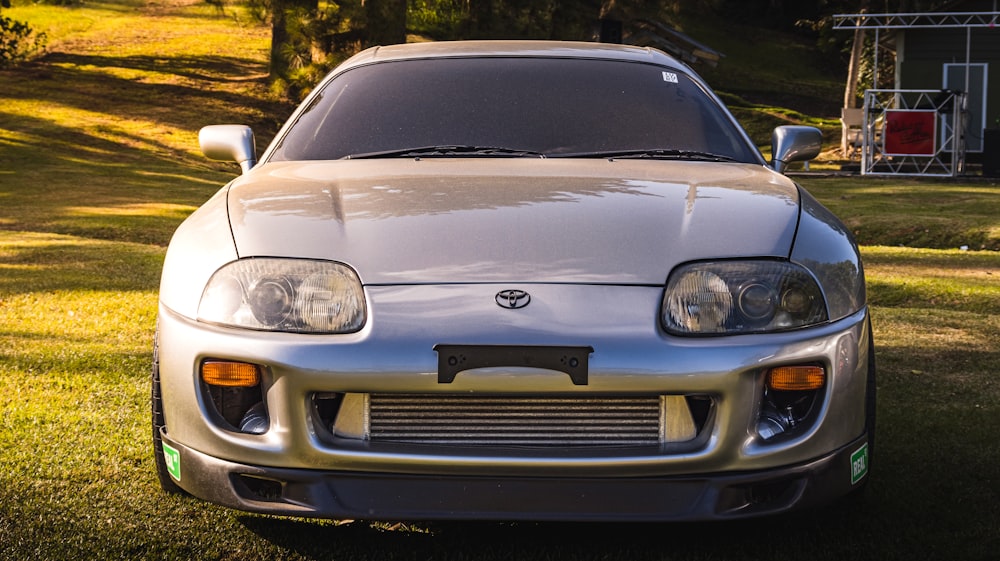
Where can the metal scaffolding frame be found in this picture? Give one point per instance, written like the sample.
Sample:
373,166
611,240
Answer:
934,20
921,20
934,149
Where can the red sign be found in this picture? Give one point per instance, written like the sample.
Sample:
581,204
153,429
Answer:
910,133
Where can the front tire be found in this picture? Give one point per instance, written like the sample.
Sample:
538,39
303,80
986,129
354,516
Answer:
870,401
167,483
870,398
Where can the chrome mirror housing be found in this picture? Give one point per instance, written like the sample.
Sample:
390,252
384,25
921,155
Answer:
233,143
794,143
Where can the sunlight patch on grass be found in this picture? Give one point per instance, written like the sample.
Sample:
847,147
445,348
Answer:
109,71
78,330
938,263
20,240
915,277
13,137
74,363
215,182
994,232
178,212
930,328
33,262
134,133
8,268
914,213
120,29
53,20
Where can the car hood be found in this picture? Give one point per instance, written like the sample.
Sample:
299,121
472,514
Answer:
412,221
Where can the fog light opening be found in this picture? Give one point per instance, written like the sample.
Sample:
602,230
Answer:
788,398
234,389
772,423
255,420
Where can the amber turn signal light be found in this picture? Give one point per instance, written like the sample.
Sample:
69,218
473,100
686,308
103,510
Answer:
230,374
796,378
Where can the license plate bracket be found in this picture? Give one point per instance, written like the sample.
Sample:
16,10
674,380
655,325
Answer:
572,361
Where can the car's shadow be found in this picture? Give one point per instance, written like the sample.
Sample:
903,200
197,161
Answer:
815,534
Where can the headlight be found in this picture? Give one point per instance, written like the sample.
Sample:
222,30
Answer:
285,295
728,297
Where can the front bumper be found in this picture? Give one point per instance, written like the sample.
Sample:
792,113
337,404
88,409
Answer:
383,496
728,470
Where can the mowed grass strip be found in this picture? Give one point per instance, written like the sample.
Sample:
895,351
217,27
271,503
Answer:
99,165
909,212
948,279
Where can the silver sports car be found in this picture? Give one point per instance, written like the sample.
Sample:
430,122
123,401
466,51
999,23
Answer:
513,280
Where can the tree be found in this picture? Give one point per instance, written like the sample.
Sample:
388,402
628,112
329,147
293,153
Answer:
307,37
287,50
853,71
18,41
570,19
385,21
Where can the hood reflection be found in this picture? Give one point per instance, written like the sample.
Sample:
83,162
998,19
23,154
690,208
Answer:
324,191
454,220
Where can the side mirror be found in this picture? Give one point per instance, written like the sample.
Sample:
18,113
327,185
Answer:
794,143
232,143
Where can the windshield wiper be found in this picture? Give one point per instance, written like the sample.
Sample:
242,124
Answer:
448,151
655,153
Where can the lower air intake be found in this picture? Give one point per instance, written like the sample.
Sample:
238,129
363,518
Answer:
517,421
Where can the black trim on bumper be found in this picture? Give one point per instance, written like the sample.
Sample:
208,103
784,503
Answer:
389,496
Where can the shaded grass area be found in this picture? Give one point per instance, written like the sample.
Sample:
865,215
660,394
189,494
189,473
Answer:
94,179
754,78
947,214
955,280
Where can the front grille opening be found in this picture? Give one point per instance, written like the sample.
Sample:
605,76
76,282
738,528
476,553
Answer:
506,421
515,421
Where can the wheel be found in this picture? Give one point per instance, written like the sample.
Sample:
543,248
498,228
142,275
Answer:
870,401
870,397
167,483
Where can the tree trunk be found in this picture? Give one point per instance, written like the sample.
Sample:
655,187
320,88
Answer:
578,20
281,39
386,21
850,90
480,23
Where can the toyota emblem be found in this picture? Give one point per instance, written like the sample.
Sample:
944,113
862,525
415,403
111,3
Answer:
513,299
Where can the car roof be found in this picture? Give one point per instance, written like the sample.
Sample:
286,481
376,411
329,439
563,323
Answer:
503,48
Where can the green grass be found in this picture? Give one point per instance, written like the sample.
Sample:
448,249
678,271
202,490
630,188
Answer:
916,212
97,144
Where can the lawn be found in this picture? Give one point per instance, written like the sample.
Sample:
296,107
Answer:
98,165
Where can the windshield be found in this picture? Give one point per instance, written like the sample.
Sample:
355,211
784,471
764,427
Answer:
534,107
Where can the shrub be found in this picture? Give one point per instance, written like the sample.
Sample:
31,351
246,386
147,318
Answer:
18,41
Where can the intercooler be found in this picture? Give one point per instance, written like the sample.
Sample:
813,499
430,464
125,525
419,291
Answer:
519,421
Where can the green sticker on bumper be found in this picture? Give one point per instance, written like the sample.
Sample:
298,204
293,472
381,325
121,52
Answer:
859,464
173,460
